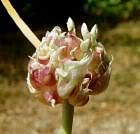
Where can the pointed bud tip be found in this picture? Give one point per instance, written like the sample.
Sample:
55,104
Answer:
84,27
85,31
69,20
70,25
94,29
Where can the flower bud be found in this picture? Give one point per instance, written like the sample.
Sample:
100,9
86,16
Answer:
84,31
65,67
70,25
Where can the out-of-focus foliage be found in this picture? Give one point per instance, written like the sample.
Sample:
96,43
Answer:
117,9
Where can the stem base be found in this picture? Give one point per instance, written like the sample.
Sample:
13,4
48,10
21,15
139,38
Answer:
67,117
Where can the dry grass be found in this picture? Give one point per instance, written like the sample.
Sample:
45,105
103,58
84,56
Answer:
115,111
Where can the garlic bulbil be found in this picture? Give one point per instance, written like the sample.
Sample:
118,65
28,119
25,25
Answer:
66,67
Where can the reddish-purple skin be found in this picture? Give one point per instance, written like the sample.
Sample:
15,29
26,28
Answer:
43,77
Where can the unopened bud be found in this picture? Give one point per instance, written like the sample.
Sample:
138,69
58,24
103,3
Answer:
94,33
84,31
70,25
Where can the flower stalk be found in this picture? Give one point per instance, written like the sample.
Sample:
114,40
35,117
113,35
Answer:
67,117
21,24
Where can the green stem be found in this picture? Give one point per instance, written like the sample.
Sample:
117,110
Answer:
67,117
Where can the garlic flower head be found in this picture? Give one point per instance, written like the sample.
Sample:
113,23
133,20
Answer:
65,67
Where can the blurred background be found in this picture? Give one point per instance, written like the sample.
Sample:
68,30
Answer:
116,111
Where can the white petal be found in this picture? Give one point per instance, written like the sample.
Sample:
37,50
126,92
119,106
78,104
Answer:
61,72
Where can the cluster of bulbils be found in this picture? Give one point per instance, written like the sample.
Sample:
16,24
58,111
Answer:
65,67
